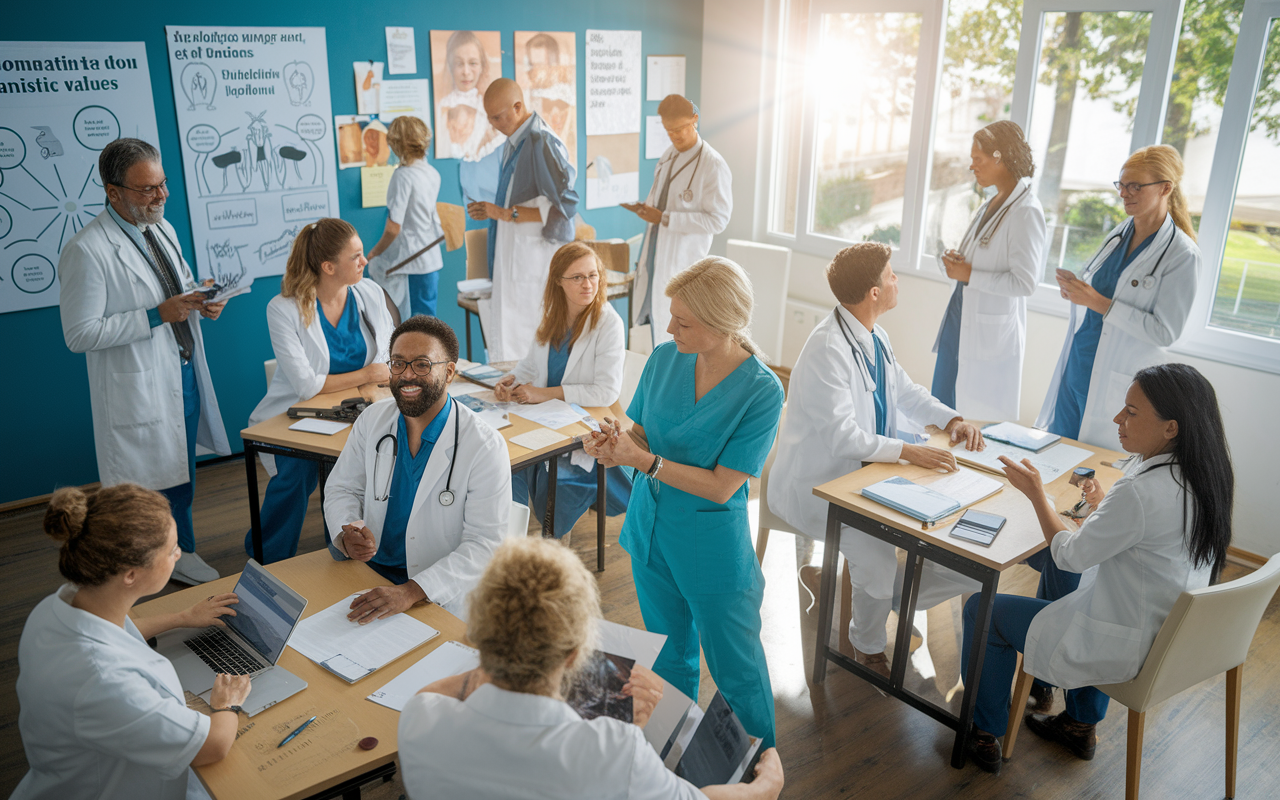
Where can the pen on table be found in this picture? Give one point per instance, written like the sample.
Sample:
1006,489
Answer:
296,731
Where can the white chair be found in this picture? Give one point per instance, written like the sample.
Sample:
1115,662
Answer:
1208,632
270,366
769,268
768,521
632,368
518,522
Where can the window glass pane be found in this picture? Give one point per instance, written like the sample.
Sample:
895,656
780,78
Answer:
976,90
1082,125
789,116
865,79
1248,291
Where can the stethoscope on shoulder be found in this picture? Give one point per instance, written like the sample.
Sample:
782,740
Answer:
864,367
446,497
1148,280
985,240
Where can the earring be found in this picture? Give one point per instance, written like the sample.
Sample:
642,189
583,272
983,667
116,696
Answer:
995,154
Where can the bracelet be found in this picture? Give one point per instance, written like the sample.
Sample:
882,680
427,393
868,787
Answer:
654,468
233,709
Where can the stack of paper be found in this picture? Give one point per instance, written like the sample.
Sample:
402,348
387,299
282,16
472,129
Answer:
553,414
911,499
447,660
352,651
1052,463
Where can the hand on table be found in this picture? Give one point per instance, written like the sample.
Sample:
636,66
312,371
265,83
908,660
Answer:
359,542
210,611
528,394
645,690
928,457
502,389
385,601
967,432
229,690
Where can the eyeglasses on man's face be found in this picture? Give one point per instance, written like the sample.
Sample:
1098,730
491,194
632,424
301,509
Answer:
421,366
160,188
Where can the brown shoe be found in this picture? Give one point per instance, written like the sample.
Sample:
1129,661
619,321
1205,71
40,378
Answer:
1080,738
985,751
1040,701
876,662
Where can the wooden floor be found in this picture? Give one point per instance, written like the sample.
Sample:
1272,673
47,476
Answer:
838,740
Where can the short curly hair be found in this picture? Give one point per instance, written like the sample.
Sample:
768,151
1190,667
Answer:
434,327
857,269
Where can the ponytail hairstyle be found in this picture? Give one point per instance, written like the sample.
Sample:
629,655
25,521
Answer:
1179,392
115,529
1162,163
719,294
315,244
555,309
1003,140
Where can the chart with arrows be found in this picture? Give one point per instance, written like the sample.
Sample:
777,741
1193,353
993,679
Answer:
50,140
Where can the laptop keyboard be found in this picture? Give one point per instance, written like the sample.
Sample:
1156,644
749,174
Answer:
222,654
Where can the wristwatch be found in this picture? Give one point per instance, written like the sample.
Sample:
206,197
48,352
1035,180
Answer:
237,709
515,214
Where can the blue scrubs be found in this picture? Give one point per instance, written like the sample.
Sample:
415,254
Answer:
284,504
1073,390
389,561
423,290
947,366
575,487
695,570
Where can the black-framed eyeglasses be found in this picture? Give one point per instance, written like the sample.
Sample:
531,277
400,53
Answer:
1133,188
421,366
160,188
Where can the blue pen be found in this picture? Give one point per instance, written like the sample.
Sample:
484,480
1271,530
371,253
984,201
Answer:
299,730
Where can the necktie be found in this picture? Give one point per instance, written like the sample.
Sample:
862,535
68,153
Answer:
168,277
882,383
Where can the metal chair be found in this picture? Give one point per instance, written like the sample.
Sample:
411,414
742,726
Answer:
1208,632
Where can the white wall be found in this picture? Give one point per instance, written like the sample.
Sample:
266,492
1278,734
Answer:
735,64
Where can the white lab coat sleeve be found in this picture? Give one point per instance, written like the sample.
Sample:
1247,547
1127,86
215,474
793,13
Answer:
526,370
123,715
717,189
1116,525
606,384
829,400
485,516
86,325
344,491
918,404
285,326
1026,255
1162,325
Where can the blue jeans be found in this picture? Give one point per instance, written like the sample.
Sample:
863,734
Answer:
284,508
423,290
181,496
1011,617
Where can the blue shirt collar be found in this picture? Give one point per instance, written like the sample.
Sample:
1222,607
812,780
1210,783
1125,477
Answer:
432,433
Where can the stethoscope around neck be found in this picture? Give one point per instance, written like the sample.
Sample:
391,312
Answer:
864,368
1148,280
687,194
446,497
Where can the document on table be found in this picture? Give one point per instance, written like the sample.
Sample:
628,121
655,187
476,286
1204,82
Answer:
327,427
1052,463
553,414
447,660
538,438
352,651
966,486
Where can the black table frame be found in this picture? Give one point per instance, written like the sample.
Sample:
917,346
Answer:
917,551
252,448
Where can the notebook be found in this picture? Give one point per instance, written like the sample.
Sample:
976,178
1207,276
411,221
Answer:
939,499
350,650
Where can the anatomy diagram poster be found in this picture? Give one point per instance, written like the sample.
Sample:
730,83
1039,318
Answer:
60,104
255,123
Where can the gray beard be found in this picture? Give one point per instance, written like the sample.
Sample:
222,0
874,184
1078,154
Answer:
142,215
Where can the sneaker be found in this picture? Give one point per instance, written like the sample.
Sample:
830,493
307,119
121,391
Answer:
876,662
1080,738
192,570
984,749
1040,701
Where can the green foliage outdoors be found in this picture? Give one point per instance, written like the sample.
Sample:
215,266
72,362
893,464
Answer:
839,200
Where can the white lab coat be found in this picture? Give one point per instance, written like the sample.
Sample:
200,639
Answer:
993,317
521,263
1133,555
515,746
135,372
302,353
446,547
101,714
1144,319
593,375
830,432
692,224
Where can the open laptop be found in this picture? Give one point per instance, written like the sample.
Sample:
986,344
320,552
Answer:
250,644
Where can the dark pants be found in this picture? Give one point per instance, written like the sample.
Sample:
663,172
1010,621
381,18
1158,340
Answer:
181,496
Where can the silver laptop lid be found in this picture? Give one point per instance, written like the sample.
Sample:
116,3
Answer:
267,613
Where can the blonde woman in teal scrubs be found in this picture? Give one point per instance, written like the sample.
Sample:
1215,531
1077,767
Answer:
705,414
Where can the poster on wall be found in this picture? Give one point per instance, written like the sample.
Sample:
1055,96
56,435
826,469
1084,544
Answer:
254,120
547,71
463,64
62,102
613,118
613,170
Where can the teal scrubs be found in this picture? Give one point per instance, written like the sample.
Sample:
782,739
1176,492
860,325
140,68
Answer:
695,570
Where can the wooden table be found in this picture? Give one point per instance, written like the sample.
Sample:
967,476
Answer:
1020,538
323,581
274,437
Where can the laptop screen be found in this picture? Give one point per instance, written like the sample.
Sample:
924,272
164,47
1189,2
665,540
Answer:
267,611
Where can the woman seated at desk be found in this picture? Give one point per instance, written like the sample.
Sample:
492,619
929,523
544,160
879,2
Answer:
102,714
329,329
576,356
1162,529
504,731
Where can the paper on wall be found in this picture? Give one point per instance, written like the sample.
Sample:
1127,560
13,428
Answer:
666,76
613,82
373,186
368,86
656,140
412,97
402,54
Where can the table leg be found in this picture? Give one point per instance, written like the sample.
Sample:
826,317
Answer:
827,599
255,513
549,519
325,468
986,601
602,500
906,617
467,312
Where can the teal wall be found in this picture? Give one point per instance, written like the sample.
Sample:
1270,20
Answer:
48,433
